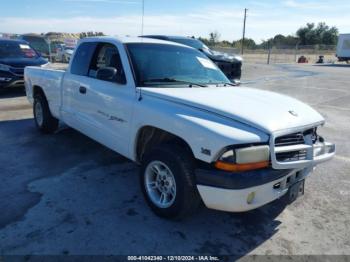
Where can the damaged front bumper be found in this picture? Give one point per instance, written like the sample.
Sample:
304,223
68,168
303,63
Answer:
244,199
238,192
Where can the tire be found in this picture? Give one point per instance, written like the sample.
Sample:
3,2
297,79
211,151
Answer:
186,198
44,121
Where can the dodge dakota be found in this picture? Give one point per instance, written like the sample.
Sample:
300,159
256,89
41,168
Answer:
196,136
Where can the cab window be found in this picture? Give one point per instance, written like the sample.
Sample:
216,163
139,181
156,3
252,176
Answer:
82,58
107,57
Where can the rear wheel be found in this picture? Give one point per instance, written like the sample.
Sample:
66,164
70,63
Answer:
167,182
44,120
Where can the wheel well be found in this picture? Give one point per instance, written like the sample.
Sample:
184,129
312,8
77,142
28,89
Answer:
37,90
148,137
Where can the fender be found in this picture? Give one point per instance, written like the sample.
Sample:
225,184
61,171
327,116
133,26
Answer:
206,134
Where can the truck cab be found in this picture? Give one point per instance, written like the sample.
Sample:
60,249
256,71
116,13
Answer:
343,48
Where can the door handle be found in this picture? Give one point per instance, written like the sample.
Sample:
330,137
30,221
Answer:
82,89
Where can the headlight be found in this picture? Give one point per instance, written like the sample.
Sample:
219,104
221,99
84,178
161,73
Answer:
244,159
4,67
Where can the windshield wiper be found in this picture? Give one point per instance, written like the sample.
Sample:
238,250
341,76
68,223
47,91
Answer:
225,84
172,80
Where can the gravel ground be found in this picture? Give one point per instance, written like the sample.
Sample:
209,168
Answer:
66,194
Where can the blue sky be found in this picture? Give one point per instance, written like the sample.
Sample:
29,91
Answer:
177,17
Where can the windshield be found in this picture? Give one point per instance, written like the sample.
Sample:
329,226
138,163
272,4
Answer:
16,50
192,43
161,65
38,43
189,42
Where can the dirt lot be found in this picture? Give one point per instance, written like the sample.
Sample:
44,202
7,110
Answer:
66,194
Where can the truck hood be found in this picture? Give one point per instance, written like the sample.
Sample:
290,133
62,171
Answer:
68,52
223,57
22,62
267,111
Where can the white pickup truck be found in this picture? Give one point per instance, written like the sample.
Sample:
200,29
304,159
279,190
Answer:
196,136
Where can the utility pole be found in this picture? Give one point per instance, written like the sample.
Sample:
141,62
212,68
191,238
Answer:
245,18
269,52
143,14
49,43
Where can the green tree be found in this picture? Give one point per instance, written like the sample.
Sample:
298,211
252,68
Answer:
303,31
248,43
330,37
204,40
214,37
320,34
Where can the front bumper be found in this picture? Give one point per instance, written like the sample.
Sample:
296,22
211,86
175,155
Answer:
7,80
239,200
233,191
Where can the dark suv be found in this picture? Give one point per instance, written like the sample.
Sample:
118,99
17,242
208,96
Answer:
229,64
14,56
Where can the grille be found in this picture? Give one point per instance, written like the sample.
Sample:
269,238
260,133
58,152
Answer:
289,140
224,66
230,69
291,156
17,71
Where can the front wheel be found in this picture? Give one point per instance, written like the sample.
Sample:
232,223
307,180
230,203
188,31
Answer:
167,182
44,121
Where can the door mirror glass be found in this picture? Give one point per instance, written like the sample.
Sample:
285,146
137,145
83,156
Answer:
106,73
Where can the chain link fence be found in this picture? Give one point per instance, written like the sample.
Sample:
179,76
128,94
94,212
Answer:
285,54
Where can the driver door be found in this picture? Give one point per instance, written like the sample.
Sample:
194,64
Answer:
101,109
110,101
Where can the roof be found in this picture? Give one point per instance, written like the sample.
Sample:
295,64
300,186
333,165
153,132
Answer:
171,37
12,40
130,39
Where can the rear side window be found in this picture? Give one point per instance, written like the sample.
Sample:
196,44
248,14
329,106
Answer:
38,43
82,59
9,49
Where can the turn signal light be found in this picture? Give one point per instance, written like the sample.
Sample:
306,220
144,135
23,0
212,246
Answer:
240,167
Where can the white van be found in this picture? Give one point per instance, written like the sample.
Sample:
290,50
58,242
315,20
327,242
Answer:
343,48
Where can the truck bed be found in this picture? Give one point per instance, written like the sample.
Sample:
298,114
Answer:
49,79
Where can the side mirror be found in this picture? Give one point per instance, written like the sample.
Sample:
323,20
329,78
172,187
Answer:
106,73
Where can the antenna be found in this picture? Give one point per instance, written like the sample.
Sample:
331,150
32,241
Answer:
143,14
